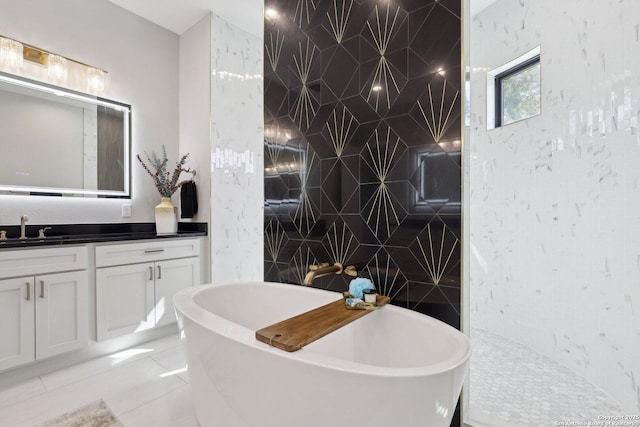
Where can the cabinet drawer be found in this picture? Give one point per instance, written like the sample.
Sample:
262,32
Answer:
28,262
156,250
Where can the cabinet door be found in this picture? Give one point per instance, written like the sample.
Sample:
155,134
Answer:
172,276
124,299
16,322
61,302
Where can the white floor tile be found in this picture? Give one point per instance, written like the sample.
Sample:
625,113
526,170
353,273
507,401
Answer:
174,409
142,392
174,360
22,391
145,385
170,341
120,387
79,372
103,364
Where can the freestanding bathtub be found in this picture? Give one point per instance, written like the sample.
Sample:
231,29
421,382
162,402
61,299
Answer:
392,367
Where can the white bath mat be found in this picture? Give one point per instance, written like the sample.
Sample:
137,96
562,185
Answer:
96,414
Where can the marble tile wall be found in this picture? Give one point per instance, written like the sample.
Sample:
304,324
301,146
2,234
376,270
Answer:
362,146
236,154
553,206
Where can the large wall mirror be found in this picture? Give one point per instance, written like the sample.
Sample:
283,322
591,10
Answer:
59,142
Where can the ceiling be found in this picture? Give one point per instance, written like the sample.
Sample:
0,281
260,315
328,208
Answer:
179,15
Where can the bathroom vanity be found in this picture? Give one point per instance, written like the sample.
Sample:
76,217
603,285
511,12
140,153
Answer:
71,292
43,303
135,283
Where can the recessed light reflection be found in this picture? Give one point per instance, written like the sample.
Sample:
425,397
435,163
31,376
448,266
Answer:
271,13
127,354
376,88
174,372
442,410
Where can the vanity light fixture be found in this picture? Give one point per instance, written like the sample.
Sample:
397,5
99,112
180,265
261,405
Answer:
57,69
274,134
13,53
95,80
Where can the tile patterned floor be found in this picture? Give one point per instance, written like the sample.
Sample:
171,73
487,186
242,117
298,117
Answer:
145,385
512,385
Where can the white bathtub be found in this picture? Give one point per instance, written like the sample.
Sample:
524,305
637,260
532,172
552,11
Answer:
393,367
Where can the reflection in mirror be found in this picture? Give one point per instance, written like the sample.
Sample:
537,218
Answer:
287,166
60,142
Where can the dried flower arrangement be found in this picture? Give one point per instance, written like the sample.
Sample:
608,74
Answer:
167,183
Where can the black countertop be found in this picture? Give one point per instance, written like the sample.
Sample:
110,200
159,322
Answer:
60,234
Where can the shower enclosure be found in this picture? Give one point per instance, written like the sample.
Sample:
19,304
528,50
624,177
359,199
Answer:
552,223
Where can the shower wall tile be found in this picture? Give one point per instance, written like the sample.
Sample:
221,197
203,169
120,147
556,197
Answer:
237,186
362,146
555,234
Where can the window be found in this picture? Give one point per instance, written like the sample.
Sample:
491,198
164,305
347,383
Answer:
518,92
514,90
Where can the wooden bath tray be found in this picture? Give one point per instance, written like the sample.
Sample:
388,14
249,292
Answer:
294,333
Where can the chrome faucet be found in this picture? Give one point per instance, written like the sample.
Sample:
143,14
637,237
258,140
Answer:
23,220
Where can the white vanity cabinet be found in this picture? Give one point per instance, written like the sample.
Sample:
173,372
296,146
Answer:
43,303
135,283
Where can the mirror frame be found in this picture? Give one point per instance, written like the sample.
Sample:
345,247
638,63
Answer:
78,96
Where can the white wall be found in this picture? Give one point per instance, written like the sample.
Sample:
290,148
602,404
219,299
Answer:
195,119
237,178
554,206
142,61
195,108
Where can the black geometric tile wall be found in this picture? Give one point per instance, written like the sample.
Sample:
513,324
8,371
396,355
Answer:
362,146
